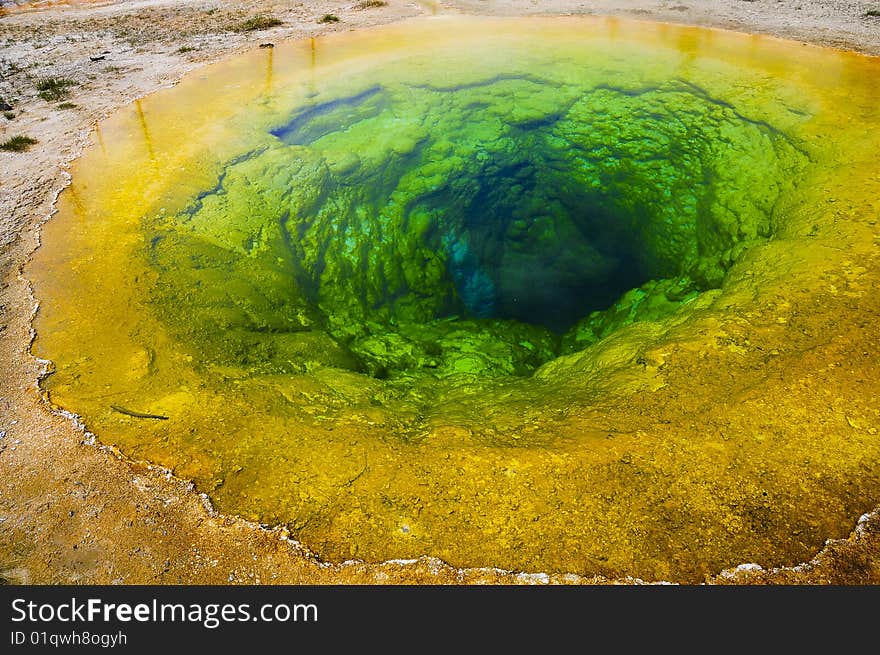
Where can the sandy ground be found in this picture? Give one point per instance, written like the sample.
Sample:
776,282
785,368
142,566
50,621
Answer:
75,513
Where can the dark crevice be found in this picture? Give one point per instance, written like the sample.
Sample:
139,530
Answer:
295,132
484,83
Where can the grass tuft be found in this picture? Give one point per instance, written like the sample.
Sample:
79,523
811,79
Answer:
329,18
873,13
17,143
258,23
8,115
66,105
53,89
371,4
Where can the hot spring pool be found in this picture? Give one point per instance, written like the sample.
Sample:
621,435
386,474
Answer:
537,294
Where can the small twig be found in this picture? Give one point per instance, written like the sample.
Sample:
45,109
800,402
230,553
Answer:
363,470
128,412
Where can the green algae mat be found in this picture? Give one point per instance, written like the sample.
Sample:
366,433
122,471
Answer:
570,295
